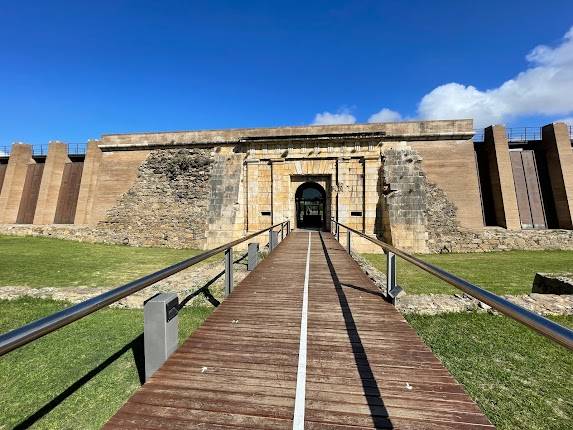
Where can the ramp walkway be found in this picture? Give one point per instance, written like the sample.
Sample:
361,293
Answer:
304,341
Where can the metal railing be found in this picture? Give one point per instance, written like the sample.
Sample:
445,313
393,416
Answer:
73,149
34,330
523,134
514,134
42,150
77,148
542,325
519,134
39,150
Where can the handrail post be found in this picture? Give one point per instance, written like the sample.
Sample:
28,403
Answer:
275,235
390,273
160,330
273,239
348,241
338,232
288,227
43,326
282,232
228,271
253,256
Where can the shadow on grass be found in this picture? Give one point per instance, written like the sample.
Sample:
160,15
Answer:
136,346
205,288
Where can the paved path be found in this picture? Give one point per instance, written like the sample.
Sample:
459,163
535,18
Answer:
304,341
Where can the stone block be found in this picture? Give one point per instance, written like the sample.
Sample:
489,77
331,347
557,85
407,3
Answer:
553,283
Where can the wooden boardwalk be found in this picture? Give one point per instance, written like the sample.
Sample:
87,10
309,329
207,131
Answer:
361,365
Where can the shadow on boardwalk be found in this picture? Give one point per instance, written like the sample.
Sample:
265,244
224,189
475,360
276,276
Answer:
372,393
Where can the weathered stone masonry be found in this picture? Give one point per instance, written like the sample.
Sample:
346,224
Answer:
168,203
223,196
419,185
404,198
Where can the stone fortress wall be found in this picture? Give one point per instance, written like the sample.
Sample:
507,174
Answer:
424,186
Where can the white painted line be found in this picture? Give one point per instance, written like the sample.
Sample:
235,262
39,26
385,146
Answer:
299,401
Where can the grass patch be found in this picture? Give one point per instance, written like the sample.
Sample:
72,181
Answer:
36,375
510,272
520,379
45,262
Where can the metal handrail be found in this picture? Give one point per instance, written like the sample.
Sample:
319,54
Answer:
77,148
523,134
40,150
544,326
36,329
73,149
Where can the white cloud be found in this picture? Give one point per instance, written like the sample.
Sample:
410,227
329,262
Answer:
545,88
343,116
568,121
2,153
385,115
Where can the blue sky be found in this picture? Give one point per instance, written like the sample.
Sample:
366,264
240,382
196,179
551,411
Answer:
73,70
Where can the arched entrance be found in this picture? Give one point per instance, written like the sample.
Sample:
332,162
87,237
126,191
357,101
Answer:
310,199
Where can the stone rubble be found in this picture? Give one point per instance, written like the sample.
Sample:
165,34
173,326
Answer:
181,283
445,234
189,280
423,304
166,206
434,304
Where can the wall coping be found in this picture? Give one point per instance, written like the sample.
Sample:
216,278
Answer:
406,130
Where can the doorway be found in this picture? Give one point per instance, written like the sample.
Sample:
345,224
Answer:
310,199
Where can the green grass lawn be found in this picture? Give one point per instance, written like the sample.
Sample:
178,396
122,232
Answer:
80,375
520,379
510,272
52,375
45,262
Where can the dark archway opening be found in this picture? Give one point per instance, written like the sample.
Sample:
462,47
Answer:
310,201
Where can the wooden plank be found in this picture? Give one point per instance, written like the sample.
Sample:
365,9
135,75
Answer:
366,367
